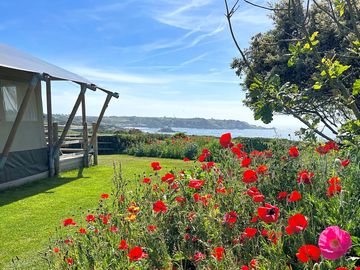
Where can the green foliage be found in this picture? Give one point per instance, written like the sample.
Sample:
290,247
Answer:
356,87
316,63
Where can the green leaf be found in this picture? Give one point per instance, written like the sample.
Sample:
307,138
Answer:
254,86
307,46
314,35
292,48
179,256
315,42
291,61
356,87
341,69
317,86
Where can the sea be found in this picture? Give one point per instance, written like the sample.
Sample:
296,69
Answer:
286,133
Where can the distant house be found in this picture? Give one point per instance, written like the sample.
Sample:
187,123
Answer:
28,150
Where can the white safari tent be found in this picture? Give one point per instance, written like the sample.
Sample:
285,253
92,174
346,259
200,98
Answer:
29,150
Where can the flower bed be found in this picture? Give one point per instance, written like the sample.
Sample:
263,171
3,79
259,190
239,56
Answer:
280,209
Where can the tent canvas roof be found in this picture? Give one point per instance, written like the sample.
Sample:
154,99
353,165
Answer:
14,59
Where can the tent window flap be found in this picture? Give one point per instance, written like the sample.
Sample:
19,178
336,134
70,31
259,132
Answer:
13,93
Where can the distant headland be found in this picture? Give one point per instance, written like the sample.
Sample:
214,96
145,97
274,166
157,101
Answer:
120,122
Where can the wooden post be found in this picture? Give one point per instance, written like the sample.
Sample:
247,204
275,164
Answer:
95,143
69,121
96,127
85,132
5,153
56,157
50,127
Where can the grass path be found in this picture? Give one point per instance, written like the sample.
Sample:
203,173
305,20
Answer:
31,213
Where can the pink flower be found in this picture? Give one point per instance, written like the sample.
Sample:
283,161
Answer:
334,242
198,256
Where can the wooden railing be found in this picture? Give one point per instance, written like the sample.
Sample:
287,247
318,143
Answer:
76,142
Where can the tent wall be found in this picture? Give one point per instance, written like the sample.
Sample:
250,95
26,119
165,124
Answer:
28,154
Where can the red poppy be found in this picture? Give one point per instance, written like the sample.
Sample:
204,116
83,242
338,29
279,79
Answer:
156,166
168,178
268,213
159,206
146,180
230,217
324,149
334,180
196,197
68,241
90,218
206,152
250,232
196,184
113,229
342,268
180,199
56,249
294,196
82,230
256,153
345,162
297,223
225,140
198,256
123,245
333,189
249,176
236,151
244,267
205,199
282,195
201,158
262,169
293,152
208,166
220,190
307,253
151,228
254,219
68,222
185,159
137,254
246,162
305,177
332,145
253,263
218,253
253,191
104,196
70,261
258,198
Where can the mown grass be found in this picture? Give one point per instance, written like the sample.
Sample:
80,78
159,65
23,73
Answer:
31,213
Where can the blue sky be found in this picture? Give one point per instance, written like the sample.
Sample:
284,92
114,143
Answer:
164,57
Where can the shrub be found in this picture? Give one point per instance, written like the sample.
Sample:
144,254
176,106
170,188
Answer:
266,213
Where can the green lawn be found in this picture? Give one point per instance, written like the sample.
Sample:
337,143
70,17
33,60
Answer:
31,213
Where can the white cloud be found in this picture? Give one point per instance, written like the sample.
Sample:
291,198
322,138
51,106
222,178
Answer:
195,59
118,76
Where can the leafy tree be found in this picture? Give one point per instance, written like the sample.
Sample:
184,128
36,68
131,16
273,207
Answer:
307,66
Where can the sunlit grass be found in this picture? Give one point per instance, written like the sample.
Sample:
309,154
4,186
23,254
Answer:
31,213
